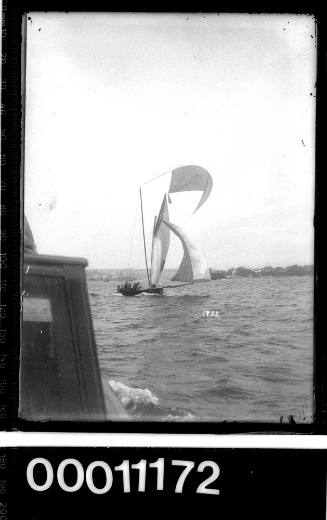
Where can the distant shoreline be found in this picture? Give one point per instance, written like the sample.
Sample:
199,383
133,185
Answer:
245,272
103,274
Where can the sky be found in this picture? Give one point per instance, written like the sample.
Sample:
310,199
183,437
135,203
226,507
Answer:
115,99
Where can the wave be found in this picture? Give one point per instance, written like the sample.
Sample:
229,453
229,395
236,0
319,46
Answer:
143,403
148,294
184,417
188,297
134,398
138,295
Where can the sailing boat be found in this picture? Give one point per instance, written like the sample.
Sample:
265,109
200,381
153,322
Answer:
193,266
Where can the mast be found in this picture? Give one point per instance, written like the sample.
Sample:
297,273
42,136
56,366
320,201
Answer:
144,243
154,227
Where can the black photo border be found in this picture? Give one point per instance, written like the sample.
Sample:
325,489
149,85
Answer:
253,483
11,192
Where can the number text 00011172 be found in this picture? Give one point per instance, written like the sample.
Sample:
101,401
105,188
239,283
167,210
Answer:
156,472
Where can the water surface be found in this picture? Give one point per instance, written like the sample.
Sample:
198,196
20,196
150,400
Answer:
251,361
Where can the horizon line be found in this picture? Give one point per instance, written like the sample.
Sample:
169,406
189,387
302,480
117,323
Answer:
210,267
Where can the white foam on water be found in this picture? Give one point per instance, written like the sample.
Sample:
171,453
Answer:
129,395
136,295
148,294
188,417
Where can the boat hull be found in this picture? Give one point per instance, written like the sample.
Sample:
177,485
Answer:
135,292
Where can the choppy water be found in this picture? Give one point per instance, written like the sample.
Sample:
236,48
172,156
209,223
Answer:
252,362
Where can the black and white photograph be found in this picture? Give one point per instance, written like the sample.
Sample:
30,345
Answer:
169,193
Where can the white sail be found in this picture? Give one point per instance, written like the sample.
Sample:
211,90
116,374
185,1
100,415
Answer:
160,243
188,178
193,266
191,178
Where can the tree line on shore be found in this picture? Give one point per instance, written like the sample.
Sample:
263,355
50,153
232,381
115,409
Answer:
238,272
245,272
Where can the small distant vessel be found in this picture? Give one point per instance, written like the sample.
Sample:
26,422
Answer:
193,267
129,289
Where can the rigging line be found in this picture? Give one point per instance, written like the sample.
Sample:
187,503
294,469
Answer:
132,240
157,176
161,174
144,242
139,244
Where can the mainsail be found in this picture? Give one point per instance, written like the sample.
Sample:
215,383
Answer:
193,266
160,243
